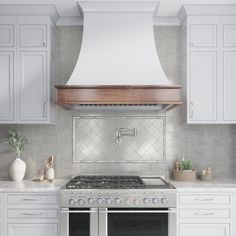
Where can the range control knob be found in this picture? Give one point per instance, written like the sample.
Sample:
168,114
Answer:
118,200
72,201
81,202
155,201
128,202
100,200
164,200
146,201
136,202
91,200
108,200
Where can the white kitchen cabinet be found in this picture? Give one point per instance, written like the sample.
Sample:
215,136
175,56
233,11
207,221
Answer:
33,86
26,56
203,35
228,31
204,230
32,35
7,86
209,49
205,213
32,229
31,214
228,73
228,86
203,86
7,35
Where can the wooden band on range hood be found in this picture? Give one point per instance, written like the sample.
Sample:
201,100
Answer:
118,95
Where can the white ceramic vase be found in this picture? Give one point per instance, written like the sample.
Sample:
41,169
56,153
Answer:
17,169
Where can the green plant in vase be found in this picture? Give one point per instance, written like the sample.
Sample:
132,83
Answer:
17,143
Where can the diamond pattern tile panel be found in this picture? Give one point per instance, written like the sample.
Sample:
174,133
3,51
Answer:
94,139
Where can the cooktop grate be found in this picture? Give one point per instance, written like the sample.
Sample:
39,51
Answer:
105,182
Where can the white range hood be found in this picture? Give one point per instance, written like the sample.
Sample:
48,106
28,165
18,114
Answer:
118,46
118,63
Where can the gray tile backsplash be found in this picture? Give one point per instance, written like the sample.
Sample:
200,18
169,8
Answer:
205,145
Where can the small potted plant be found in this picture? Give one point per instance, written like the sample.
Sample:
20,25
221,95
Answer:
17,143
186,165
184,171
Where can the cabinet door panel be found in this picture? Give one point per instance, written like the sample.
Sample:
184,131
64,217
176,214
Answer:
33,86
6,35
229,35
204,230
32,229
229,85
33,35
203,35
6,88
203,86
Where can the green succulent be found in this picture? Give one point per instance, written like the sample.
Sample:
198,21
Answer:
16,141
186,165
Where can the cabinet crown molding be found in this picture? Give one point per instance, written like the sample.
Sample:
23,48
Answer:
33,10
205,10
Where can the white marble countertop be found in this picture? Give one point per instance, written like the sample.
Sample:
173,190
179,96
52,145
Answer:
31,186
216,185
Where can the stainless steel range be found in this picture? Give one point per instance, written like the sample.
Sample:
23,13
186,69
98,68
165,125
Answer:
118,205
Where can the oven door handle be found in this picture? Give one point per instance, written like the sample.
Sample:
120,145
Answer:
78,211
171,210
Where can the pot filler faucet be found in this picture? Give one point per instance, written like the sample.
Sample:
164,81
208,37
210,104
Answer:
121,132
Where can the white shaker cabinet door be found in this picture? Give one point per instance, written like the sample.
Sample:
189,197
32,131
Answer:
33,77
33,35
202,85
32,229
6,88
6,35
204,229
203,35
229,86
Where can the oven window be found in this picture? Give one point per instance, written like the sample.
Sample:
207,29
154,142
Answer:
137,224
79,224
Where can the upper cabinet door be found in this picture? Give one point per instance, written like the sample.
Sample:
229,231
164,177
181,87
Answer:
229,85
229,35
7,35
33,88
203,35
33,35
202,107
228,28
6,88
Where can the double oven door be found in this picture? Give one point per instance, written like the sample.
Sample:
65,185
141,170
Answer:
118,222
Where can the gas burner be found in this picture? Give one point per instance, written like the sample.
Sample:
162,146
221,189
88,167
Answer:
105,182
